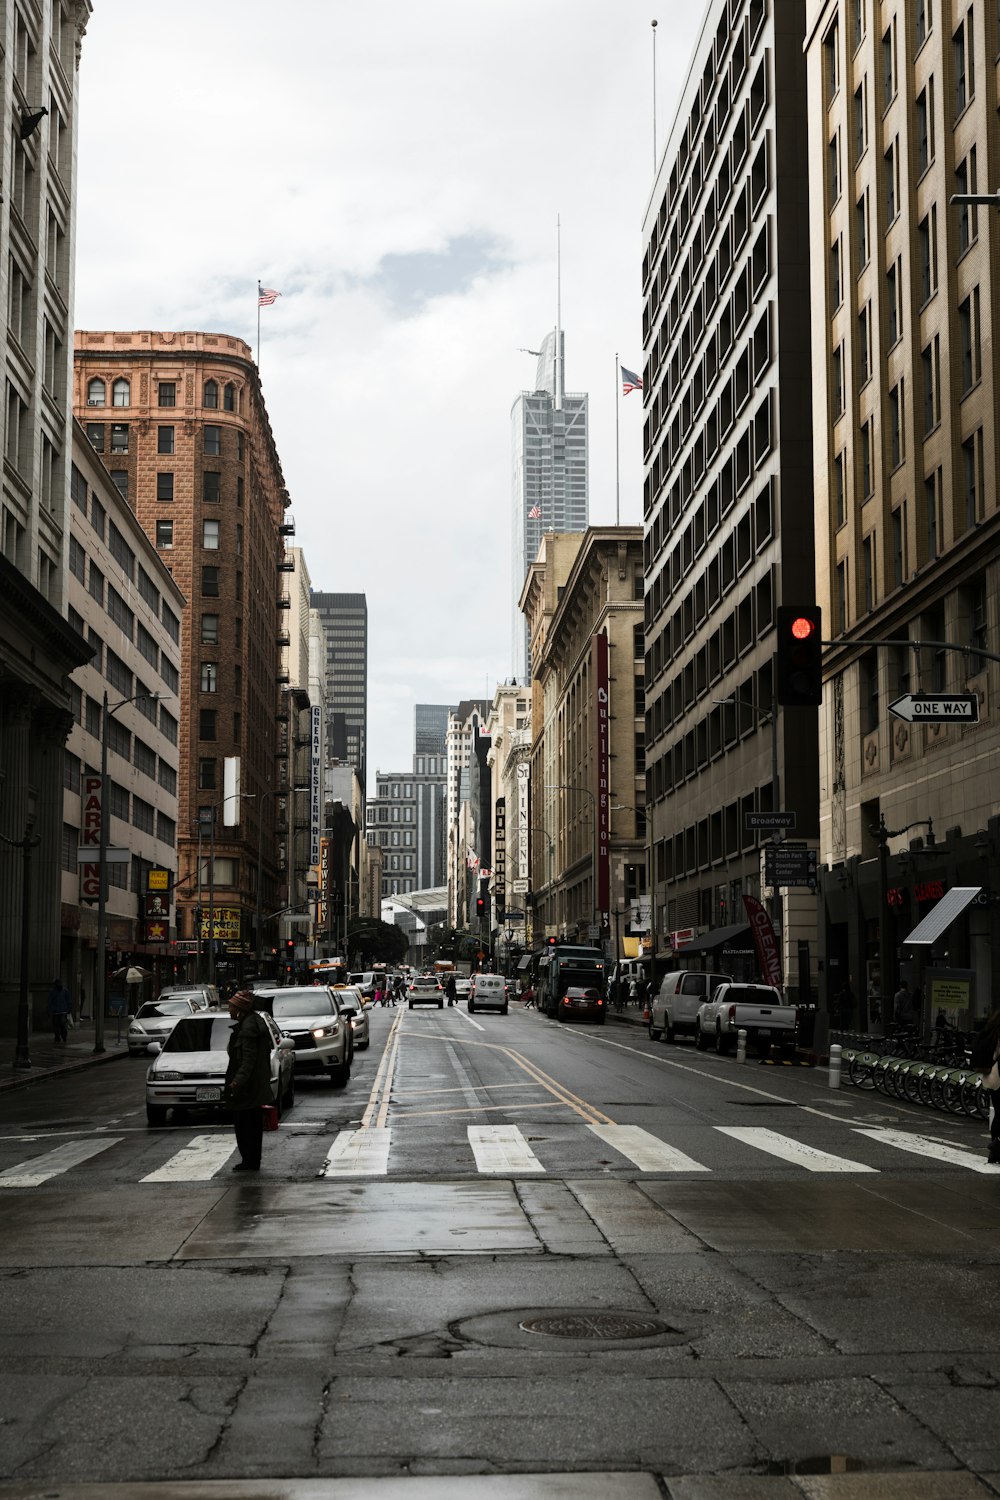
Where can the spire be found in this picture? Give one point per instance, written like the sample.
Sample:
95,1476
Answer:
560,373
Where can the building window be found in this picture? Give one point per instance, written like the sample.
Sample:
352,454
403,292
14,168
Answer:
210,630
860,123
867,461
925,128
166,830
166,393
121,393
837,382
898,542
213,441
210,535
831,60
839,501
893,294
206,724
97,393
868,667
927,254
206,774
864,343
889,65
210,582
229,398
119,478
931,491
896,434
833,163
95,436
968,214
119,437
868,563
965,85
164,440
972,468
891,165
858,17
77,559
861,226
212,492
210,395
96,583
164,486
209,677
969,332
930,363
836,279
164,534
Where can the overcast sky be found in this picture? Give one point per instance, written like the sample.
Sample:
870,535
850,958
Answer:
395,170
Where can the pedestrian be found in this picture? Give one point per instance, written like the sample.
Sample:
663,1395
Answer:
528,996
451,989
845,1006
633,992
985,1051
904,1012
248,1079
60,1006
379,996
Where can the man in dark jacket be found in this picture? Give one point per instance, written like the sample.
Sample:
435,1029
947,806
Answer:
248,1078
60,1007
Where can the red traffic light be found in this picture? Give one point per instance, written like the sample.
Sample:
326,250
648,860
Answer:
802,627
799,656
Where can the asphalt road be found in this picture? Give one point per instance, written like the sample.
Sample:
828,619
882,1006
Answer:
508,1247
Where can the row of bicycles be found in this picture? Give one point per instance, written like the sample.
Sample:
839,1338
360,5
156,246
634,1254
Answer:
938,1073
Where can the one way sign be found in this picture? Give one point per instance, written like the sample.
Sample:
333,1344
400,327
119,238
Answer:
962,708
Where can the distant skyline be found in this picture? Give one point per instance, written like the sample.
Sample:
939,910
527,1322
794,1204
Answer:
413,256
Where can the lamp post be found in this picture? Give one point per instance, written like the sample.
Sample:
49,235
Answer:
764,716
565,786
109,709
886,918
30,841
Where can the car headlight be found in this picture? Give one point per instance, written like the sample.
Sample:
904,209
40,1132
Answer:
325,1030
168,1077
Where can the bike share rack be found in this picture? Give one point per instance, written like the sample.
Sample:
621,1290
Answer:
943,1086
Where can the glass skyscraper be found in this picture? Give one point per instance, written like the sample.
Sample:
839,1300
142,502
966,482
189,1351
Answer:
345,620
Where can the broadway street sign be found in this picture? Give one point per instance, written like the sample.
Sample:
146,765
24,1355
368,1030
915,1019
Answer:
962,708
769,820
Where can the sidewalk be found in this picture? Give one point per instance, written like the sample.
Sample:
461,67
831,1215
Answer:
50,1061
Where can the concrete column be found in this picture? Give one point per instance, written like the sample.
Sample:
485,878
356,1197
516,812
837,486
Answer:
15,806
48,743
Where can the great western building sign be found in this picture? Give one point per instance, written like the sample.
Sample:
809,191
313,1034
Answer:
602,733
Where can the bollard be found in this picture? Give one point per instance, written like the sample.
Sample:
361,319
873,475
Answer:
741,1045
835,1052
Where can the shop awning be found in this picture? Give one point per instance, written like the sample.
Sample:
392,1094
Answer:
711,942
951,905
524,963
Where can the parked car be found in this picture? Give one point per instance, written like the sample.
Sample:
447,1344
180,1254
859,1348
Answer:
425,989
352,1006
581,1003
154,1021
674,1011
310,1015
205,996
488,992
757,1009
190,1070
364,982
463,986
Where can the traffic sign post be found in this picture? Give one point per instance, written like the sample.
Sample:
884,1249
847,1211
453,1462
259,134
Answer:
960,708
790,865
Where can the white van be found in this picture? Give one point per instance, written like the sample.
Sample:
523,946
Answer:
488,992
675,1008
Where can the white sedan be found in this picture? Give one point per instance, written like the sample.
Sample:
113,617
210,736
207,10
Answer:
155,1020
425,989
351,1004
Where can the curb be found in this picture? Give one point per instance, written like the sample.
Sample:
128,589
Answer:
31,1077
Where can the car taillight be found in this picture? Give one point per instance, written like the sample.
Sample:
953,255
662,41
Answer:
600,1001
732,1013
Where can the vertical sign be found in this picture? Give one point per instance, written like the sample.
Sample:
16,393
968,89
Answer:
765,941
230,791
523,780
602,729
315,782
324,882
500,857
90,836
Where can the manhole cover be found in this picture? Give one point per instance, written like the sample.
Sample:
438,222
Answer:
596,1326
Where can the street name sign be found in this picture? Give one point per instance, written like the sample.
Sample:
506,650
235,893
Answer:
789,866
962,708
520,886
769,820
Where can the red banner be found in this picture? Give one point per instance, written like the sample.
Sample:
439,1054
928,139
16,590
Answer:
765,942
602,728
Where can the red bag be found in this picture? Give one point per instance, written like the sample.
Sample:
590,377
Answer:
270,1116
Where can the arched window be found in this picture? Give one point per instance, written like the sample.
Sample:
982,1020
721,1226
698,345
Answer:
229,398
121,393
211,397
97,393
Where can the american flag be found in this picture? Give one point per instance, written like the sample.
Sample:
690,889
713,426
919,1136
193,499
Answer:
265,295
535,513
630,381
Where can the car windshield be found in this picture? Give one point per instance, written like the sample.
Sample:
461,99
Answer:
302,1003
200,1034
349,1005
163,1008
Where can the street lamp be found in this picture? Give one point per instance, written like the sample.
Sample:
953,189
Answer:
109,709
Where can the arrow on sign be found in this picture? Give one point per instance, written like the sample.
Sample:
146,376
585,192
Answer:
960,707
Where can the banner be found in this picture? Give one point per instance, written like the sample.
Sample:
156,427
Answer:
500,856
315,781
765,942
523,782
90,835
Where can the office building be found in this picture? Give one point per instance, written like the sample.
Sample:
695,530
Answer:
38,649
345,620
464,722
728,516
406,820
902,115
430,728
550,491
179,421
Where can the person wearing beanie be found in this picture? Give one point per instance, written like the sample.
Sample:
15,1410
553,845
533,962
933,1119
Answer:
248,1078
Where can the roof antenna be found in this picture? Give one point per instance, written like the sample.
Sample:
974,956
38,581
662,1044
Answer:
559,372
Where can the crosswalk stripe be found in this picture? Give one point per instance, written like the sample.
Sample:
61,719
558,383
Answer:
200,1159
502,1148
30,1174
645,1151
920,1145
787,1149
358,1153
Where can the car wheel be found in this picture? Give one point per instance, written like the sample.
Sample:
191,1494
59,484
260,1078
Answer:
655,1032
290,1092
601,1020
471,1008
440,1005
669,1034
721,1042
156,1114
411,1005
363,1046
699,1038
503,1009
340,1076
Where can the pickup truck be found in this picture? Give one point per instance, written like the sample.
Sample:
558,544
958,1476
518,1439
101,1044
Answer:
756,1009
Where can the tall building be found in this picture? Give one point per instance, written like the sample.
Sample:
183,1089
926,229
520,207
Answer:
430,728
38,649
903,105
464,722
345,619
549,439
180,423
406,820
728,484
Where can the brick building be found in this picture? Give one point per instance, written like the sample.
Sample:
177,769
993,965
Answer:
180,423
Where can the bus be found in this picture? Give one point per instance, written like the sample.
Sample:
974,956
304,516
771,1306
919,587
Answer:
328,970
562,965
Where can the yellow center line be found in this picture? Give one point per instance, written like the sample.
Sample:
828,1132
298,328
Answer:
490,1087
385,1068
420,1114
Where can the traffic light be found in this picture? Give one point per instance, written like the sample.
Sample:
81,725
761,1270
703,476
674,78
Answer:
480,906
800,656
289,947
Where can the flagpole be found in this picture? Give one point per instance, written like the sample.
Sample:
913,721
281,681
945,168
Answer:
618,467
653,24
258,326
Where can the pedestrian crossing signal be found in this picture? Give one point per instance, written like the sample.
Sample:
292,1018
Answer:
799,656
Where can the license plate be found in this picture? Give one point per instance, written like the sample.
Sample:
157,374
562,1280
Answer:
208,1096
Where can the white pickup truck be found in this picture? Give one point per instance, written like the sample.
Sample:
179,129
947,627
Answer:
757,1009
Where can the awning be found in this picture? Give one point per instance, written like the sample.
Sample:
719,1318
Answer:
711,942
524,963
951,905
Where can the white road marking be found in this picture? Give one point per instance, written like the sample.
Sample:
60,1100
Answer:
358,1153
502,1148
796,1152
200,1159
921,1145
645,1151
466,1017
30,1174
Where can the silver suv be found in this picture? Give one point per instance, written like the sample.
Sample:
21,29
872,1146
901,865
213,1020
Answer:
311,1016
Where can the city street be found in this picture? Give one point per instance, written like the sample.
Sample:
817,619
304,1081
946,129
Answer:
509,1246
